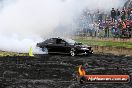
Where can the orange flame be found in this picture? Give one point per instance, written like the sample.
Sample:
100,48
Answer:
81,71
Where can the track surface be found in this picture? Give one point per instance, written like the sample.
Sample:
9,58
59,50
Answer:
58,71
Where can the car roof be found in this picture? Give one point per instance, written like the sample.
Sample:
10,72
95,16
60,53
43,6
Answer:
65,39
56,38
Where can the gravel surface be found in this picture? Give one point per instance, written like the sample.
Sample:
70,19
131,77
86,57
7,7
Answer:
58,71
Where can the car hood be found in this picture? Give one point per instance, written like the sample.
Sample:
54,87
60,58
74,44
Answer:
82,46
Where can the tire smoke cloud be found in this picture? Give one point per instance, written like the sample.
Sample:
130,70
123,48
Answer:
23,23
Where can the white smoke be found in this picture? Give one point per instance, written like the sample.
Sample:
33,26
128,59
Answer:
23,23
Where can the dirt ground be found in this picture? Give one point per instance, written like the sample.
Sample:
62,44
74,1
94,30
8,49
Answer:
58,71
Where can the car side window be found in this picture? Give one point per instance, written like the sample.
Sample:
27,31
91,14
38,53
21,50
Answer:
50,41
60,41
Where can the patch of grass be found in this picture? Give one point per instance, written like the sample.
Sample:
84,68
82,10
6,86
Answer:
105,43
3,53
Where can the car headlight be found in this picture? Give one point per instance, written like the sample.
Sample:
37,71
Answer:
84,49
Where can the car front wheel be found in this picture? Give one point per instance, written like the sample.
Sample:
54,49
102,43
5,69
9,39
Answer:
72,52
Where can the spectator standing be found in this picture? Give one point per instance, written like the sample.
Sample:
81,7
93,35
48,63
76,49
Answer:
128,27
119,26
113,15
127,22
113,30
131,14
100,25
128,13
106,29
124,31
123,14
100,18
118,13
131,29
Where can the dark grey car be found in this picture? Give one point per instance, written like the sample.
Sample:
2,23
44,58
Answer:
64,46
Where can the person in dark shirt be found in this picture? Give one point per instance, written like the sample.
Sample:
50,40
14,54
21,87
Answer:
119,26
113,15
128,13
123,14
106,29
118,13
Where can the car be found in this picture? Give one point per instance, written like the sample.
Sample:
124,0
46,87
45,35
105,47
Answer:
64,46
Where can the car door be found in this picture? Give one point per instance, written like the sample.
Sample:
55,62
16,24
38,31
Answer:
51,45
61,46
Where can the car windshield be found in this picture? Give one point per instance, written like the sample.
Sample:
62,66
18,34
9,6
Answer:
70,41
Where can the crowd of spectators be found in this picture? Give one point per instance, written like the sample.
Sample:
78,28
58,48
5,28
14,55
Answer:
119,24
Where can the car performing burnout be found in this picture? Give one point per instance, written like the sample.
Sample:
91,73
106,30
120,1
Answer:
64,46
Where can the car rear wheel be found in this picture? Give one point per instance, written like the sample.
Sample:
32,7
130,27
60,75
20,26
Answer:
45,50
72,52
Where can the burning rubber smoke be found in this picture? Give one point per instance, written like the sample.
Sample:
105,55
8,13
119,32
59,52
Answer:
23,23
